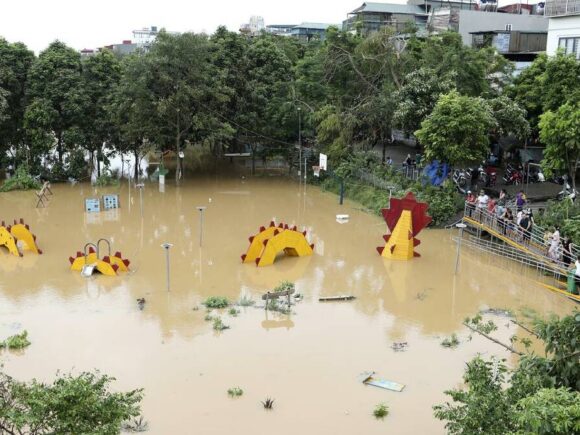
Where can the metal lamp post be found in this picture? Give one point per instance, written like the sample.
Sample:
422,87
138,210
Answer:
461,227
166,246
140,187
201,209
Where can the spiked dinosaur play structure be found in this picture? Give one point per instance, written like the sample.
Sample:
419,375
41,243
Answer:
17,238
265,245
90,261
405,219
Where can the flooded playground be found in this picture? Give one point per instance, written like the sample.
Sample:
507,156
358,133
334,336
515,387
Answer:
307,361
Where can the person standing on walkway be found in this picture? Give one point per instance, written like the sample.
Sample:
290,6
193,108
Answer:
520,200
526,228
470,203
554,251
501,202
482,201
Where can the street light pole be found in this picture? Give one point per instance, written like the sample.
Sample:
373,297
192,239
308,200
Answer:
140,187
166,246
461,227
201,210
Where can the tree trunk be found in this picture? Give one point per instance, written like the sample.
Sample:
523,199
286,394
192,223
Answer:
99,161
136,152
59,146
179,169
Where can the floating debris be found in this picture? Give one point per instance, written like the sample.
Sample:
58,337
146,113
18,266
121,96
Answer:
400,346
498,312
368,378
336,298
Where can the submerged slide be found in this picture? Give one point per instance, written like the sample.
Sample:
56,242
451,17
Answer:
265,246
19,233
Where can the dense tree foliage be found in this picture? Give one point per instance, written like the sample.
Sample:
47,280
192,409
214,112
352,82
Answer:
230,93
560,131
69,405
457,130
540,396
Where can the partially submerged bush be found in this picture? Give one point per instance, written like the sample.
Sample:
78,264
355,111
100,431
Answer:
284,286
381,410
452,341
80,404
22,180
235,392
218,325
246,301
216,302
106,180
18,341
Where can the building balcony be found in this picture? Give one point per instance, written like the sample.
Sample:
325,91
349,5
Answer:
561,8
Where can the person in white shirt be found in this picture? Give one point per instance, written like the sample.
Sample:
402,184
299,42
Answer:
482,200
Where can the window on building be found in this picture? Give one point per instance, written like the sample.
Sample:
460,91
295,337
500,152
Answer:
508,27
570,45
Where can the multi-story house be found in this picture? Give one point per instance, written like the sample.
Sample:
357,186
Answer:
564,26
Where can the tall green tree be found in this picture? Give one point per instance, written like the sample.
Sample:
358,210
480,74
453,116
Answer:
187,89
457,130
15,63
57,100
418,96
101,75
560,131
510,117
133,110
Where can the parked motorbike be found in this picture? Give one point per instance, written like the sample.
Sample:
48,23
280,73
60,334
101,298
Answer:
513,175
567,193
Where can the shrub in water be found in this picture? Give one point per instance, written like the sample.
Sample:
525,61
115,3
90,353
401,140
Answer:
216,302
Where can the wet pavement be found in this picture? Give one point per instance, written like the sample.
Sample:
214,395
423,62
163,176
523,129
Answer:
308,361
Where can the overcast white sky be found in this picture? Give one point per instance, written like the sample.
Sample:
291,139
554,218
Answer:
91,24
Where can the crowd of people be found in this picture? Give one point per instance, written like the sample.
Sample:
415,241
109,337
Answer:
519,225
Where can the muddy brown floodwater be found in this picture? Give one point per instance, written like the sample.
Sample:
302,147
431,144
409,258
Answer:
307,361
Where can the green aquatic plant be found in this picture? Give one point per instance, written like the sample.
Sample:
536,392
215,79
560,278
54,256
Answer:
233,312
107,180
284,286
274,305
22,180
216,302
381,411
451,342
268,403
246,301
235,392
18,341
218,325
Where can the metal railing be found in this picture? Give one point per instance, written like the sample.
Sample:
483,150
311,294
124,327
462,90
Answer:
505,251
530,243
562,7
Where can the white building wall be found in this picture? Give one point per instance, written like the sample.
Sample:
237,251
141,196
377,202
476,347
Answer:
561,27
478,21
